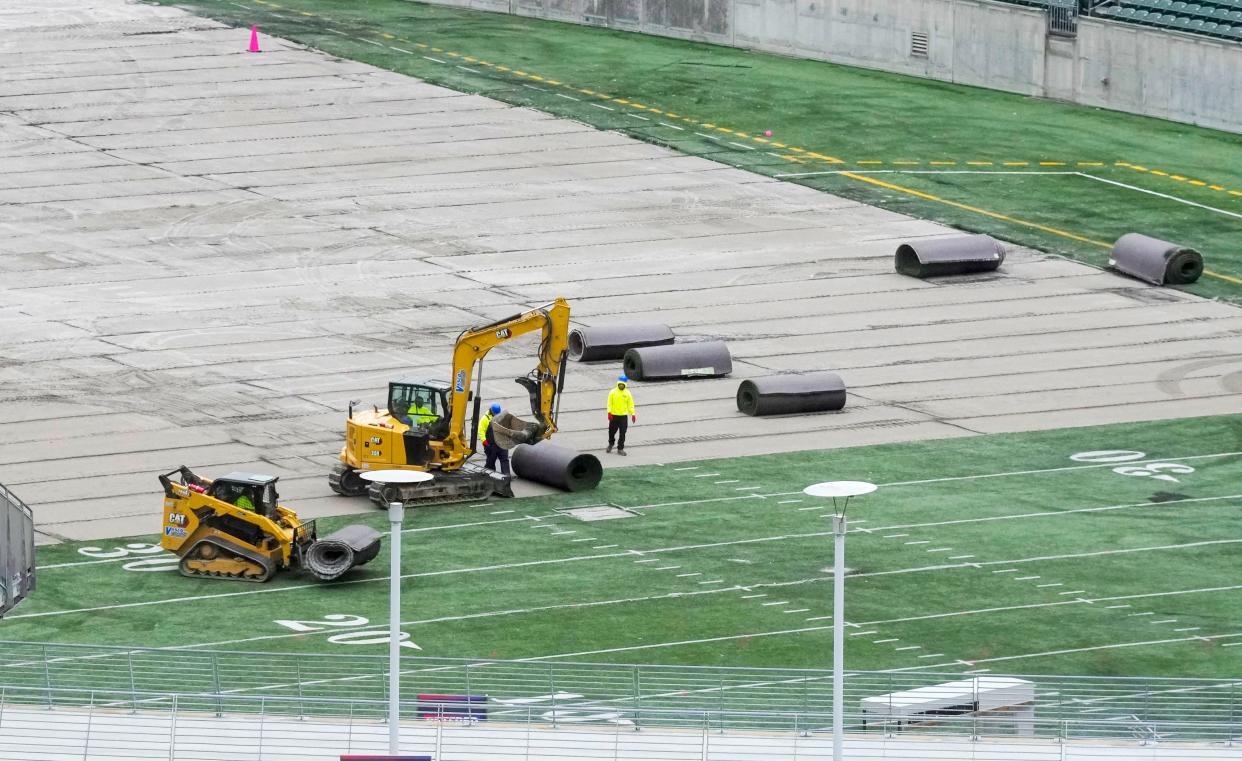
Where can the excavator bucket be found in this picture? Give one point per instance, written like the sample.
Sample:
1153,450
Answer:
511,430
331,557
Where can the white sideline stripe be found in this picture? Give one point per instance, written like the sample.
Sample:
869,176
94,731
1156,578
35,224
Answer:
1058,470
437,60
1052,513
1159,195
675,595
796,610
577,558
1093,648
130,558
402,50
672,126
907,647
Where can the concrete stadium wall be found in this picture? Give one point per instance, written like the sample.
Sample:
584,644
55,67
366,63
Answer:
974,42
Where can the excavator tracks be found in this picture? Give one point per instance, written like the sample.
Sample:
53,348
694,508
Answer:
214,557
458,486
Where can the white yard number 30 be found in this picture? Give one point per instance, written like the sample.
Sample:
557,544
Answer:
340,620
1160,470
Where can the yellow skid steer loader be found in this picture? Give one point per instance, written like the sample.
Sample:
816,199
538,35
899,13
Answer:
233,527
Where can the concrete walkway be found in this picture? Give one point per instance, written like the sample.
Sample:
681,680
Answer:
61,735
205,254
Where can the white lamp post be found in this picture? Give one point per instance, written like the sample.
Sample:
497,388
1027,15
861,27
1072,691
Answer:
840,493
396,514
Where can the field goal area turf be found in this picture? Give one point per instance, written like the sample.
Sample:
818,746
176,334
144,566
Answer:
1101,551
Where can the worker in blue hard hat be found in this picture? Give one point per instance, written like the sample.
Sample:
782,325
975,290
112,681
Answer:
620,413
491,448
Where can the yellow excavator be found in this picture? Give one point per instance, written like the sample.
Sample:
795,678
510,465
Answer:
423,426
233,527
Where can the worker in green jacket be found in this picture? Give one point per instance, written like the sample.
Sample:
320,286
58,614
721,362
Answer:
620,413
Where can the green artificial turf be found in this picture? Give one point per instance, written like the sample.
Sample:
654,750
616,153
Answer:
867,120
994,551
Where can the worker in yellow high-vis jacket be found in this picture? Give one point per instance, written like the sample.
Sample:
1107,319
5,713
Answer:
620,413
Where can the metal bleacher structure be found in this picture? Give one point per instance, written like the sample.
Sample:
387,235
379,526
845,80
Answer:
90,703
1221,19
1215,18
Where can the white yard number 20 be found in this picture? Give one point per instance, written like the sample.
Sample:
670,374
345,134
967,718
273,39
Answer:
1160,470
340,620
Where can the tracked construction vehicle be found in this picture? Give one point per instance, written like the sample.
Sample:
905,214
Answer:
233,527
423,426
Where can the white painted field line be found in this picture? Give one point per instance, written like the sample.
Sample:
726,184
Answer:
882,641
776,602
676,595
437,60
1054,513
1163,621
1127,186
501,512
919,541
668,567
1188,629
376,44
960,557
742,145
859,634
1073,592
793,502
567,97
1057,470
712,581
601,105
402,50
709,137
586,539
467,68
727,481
604,546
687,575
672,126
704,475
688,467
796,610
1024,578
648,560
1050,584
1093,648
931,655
908,647
636,116
746,488
561,533
130,558
894,536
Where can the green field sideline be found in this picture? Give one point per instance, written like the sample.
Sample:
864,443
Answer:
1109,550
1074,178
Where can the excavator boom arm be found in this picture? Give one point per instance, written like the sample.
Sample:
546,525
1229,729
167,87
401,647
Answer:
543,382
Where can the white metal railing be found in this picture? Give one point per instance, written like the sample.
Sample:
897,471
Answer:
54,675
125,725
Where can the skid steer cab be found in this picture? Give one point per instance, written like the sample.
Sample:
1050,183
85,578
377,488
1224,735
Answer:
234,527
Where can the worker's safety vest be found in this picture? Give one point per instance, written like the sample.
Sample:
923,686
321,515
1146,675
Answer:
483,424
244,503
422,415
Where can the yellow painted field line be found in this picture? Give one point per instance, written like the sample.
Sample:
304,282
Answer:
975,209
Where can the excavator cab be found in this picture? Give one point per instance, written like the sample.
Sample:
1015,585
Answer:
421,404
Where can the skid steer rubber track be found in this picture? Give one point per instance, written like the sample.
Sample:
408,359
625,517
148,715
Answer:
214,557
465,485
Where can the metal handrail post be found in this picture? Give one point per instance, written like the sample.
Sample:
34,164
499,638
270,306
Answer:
552,692
133,686
262,722
172,731
638,697
301,704
47,677
215,680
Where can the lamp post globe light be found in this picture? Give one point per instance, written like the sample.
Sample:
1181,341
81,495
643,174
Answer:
396,514
839,492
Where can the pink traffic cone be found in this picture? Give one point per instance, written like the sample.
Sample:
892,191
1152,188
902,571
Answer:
254,39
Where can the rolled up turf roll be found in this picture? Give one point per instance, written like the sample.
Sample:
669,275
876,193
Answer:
611,342
1156,261
790,394
695,360
330,557
956,255
564,468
